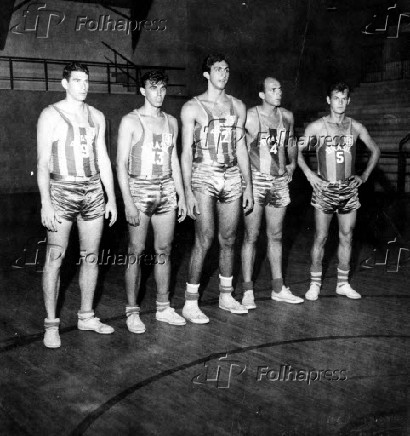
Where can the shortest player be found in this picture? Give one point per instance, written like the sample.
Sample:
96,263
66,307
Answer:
335,186
269,130
150,180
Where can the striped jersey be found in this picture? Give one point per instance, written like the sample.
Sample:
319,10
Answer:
336,152
215,142
267,151
151,154
74,152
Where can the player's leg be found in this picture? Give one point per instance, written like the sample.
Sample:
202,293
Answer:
136,245
204,234
228,218
347,223
274,225
90,232
163,225
252,223
56,248
322,223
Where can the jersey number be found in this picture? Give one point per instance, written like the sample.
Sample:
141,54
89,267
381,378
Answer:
340,156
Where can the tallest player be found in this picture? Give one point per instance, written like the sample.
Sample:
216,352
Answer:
214,156
335,186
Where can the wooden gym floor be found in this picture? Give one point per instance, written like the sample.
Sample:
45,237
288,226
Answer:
330,367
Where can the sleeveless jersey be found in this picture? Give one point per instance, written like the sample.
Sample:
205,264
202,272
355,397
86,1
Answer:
267,151
336,153
151,154
215,142
74,152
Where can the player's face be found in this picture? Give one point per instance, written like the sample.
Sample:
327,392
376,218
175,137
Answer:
77,85
273,92
338,102
154,93
218,75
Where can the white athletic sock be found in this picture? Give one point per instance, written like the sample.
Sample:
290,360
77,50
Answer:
226,282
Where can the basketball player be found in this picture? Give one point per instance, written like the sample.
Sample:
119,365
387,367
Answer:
150,180
269,131
214,156
72,161
335,186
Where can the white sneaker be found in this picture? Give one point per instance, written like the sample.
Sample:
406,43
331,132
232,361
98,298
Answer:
313,293
52,335
95,325
195,315
231,305
286,296
170,316
134,323
248,300
346,290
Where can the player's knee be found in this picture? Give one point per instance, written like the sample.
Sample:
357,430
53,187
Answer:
163,248
135,249
275,236
320,238
251,237
345,236
227,240
55,256
205,240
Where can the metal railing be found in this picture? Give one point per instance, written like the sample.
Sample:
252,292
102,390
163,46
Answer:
14,69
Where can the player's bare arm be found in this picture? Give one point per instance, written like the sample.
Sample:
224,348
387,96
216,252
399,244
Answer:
188,117
46,124
292,145
311,135
129,129
371,146
176,172
243,156
252,124
105,167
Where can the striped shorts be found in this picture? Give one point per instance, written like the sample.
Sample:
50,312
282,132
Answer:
220,182
81,200
153,196
337,197
270,190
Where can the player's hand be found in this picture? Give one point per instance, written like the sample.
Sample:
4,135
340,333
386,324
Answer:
247,199
290,170
49,217
191,205
132,215
316,182
111,211
359,180
181,209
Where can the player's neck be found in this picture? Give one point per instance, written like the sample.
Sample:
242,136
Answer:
214,94
151,111
337,118
72,105
269,110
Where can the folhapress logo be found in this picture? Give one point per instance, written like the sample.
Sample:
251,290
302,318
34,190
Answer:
38,19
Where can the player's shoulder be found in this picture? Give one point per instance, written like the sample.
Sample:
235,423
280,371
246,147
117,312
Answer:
96,114
191,104
316,125
357,125
236,101
286,113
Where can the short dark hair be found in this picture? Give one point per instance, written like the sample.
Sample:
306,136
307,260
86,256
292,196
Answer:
74,66
212,59
338,87
154,76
